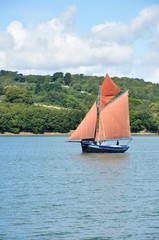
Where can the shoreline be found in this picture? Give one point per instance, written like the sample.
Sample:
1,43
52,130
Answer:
64,134
33,134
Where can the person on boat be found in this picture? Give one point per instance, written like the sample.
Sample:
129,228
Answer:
117,143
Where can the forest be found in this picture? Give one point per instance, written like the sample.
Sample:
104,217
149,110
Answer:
57,103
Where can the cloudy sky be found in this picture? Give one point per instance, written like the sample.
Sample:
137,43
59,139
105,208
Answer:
93,37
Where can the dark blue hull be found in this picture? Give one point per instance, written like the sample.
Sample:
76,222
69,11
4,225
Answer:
95,148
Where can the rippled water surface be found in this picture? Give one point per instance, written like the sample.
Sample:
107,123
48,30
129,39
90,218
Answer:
50,190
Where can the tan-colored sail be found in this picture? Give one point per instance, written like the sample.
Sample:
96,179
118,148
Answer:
114,120
86,129
108,91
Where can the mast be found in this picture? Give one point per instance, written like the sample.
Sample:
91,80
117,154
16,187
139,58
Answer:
98,101
106,92
98,112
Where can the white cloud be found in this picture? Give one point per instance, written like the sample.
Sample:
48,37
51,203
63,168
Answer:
15,29
111,31
2,59
109,47
6,41
144,23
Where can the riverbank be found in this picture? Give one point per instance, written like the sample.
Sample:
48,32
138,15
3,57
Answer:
33,134
66,134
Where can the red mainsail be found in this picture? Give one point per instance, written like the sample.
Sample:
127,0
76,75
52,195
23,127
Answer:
114,120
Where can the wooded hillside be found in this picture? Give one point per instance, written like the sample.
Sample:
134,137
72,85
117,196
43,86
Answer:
57,103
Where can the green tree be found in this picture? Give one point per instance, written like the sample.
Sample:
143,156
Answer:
67,79
37,88
15,94
20,79
1,89
57,76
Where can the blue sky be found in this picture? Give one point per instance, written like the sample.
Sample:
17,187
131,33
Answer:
89,12
81,36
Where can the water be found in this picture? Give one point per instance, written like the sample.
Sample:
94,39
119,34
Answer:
50,190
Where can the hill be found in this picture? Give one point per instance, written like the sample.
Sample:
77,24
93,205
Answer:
57,103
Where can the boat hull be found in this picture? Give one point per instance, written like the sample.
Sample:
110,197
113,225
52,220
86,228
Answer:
95,148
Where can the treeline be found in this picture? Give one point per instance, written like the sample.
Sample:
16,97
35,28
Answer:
57,103
16,118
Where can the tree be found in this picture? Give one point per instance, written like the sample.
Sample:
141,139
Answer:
20,79
15,94
1,89
37,87
67,79
57,76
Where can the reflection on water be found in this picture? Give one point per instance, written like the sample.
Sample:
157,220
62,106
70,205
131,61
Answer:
50,190
104,157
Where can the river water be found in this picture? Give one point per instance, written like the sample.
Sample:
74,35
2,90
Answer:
50,190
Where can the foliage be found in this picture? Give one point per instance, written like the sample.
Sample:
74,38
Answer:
17,118
15,94
22,101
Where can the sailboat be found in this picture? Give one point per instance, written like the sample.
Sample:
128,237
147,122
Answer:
107,123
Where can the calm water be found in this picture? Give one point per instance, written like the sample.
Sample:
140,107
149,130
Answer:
50,190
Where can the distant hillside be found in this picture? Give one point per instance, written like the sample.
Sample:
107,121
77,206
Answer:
23,101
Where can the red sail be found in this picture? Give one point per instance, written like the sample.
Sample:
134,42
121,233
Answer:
108,91
86,129
114,120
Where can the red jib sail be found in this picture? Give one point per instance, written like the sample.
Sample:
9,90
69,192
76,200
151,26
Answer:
86,129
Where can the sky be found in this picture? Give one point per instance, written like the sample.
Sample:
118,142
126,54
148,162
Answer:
90,37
